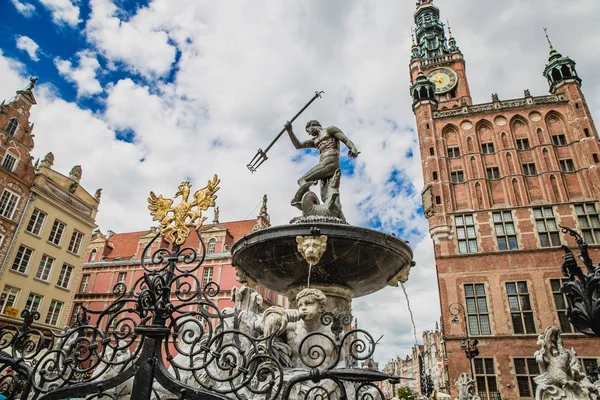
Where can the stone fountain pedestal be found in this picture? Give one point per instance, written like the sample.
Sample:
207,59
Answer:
357,261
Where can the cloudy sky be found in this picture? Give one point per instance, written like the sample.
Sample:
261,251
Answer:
145,94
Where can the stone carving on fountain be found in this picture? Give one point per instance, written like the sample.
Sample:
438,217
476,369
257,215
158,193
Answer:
561,375
165,337
466,388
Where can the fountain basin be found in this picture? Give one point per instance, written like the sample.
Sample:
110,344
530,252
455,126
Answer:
359,259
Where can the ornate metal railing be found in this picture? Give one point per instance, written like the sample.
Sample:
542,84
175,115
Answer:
166,338
582,290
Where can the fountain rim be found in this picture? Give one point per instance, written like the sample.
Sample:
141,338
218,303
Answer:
368,237
304,229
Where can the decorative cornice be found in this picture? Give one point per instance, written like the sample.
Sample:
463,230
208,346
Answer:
500,105
59,194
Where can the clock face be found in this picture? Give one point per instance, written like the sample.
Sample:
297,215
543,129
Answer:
444,79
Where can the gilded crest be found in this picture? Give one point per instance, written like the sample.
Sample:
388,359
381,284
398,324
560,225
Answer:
176,221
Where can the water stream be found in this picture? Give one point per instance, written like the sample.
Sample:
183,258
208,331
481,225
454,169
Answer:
412,319
309,272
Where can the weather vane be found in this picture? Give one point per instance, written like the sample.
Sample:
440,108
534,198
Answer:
175,222
261,155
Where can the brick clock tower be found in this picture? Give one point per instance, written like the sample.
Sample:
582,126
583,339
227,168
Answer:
500,178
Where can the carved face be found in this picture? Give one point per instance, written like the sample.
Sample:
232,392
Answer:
314,130
309,307
312,247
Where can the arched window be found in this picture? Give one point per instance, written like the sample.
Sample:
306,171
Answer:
212,244
92,256
11,127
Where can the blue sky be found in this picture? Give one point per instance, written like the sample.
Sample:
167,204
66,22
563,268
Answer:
146,94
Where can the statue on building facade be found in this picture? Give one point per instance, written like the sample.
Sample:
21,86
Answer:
76,173
48,160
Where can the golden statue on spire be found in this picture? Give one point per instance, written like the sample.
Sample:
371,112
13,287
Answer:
174,222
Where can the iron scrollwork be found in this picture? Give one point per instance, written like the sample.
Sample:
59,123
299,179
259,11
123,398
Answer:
582,290
165,337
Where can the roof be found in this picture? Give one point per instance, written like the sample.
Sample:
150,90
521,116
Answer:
126,244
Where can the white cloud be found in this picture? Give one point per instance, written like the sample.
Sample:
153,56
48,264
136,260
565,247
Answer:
245,68
64,12
29,46
144,47
25,9
84,75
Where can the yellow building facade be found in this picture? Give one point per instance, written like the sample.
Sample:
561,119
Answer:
44,259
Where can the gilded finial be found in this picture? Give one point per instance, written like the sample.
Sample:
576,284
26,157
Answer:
548,39
174,222
449,30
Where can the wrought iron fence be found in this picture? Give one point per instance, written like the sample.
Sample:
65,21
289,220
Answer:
166,338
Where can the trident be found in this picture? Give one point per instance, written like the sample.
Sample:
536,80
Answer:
261,156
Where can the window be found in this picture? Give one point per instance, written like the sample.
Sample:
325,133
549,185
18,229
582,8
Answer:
8,203
589,222
44,268
529,169
591,368
147,252
586,131
505,230
75,243
122,277
11,127
457,177
53,312
520,307
546,226
8,297
212,243
207,275
487,148
485,377
77,308
431,152
493,173
566,165
559,140
435,175
560,302
33,302
465,233
35,222
453,152
56,233
595,157
477,309
9,162
92,255
83,286
526,369
22,259
438,200
65,276
523,144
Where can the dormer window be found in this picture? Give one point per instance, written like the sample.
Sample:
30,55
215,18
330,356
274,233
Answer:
92,256
11,127
212,244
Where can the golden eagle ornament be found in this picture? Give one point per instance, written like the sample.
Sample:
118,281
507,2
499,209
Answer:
175,221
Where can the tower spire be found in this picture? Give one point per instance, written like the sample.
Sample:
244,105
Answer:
429,31
548,39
